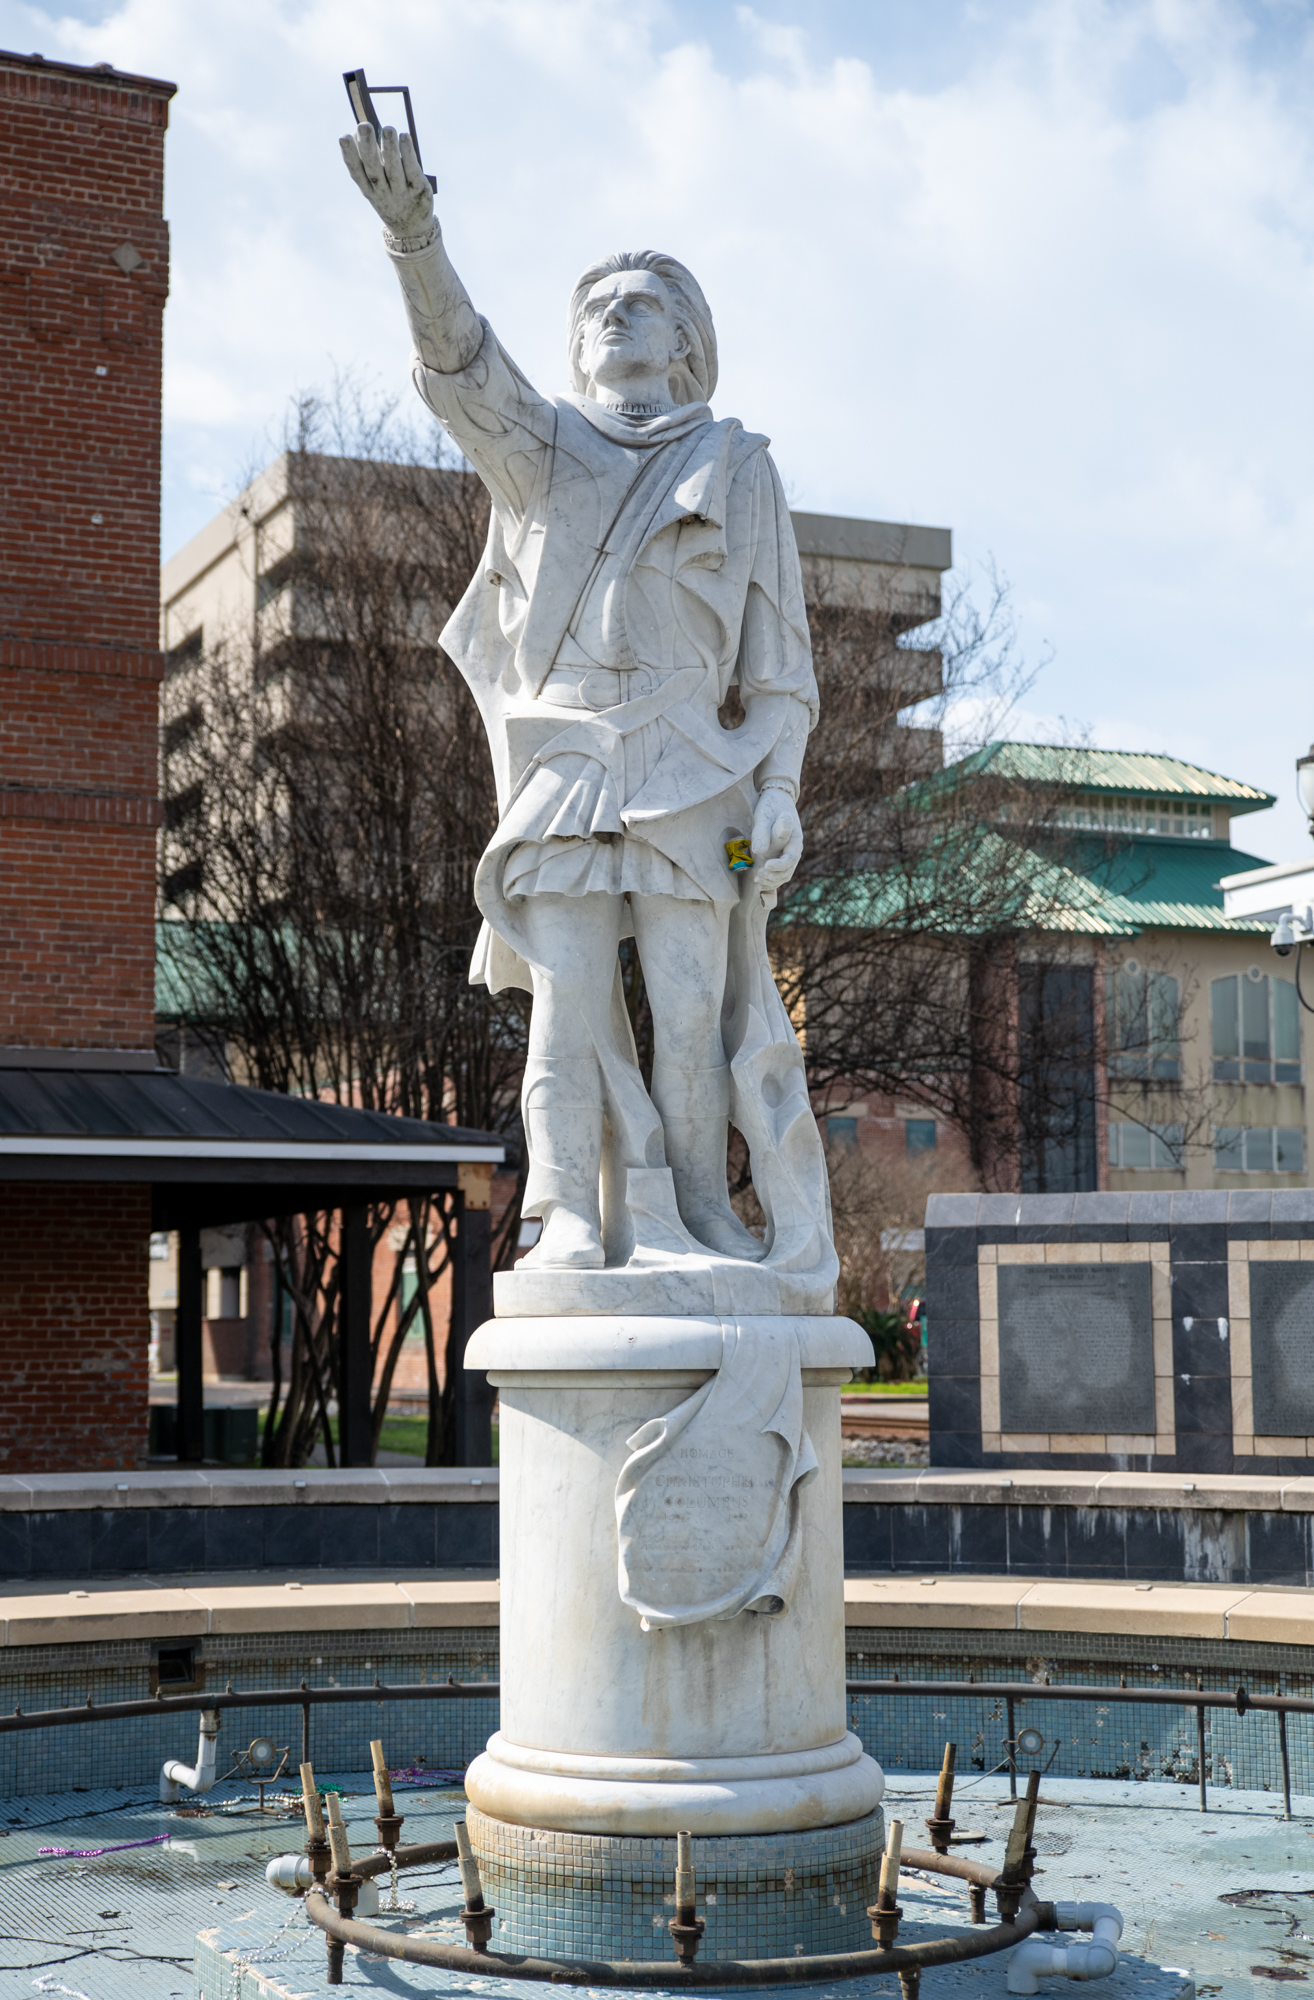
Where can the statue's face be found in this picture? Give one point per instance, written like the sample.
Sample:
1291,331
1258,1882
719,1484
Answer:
630,330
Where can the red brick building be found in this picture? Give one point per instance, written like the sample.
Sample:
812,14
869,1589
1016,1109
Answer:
84,262
84,265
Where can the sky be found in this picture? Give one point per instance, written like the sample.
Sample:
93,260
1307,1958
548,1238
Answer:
1038,271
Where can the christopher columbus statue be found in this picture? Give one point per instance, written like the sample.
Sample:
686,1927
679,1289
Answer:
640,562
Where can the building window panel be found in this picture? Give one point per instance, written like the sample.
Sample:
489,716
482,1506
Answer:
1256,1045
186,652
1259,1149
842,1132
1146,1148
1286,1026
1227,1044
1142,1015
919,1135
1183,820
1256,1029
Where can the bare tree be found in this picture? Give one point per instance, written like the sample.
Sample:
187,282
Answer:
329,797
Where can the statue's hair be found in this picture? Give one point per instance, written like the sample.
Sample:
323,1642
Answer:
693,376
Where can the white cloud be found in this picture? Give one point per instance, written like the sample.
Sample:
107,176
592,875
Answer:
1061,300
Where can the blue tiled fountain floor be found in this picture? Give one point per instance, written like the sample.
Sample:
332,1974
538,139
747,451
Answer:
1228,1896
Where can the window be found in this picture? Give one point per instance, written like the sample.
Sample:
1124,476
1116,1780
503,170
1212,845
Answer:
1142,1023
181,728
1180,819
1145,1148
1259,1149
841,1131
185,652
273,581
1256,1028
919,1135
182,807
184,881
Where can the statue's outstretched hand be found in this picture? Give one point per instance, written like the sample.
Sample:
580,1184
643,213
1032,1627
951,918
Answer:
391,179
777,840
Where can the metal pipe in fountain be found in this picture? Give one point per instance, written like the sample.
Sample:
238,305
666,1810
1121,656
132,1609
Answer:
198,1777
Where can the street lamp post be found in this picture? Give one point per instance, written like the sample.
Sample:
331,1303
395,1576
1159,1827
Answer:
1296,928
1305,785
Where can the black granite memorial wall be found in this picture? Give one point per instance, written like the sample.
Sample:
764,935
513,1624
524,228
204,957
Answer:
1155,1332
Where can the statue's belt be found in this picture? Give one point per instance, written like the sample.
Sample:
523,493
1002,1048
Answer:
538,739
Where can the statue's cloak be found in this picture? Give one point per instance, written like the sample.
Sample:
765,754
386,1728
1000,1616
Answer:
691,510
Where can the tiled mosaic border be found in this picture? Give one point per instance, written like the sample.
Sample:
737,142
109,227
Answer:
599,1896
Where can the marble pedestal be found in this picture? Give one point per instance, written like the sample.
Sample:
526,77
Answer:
721,1728
614,1738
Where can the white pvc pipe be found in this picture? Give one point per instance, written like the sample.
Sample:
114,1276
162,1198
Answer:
1035,1958
197,1777
292,1873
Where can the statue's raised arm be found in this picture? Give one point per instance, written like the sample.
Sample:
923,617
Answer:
445,325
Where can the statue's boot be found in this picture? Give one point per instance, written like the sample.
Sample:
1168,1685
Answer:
695,1111
562,1108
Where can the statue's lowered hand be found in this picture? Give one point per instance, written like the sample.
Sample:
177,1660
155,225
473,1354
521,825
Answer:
391,180
777,840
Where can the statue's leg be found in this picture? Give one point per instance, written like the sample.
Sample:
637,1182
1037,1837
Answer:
683,945
574,940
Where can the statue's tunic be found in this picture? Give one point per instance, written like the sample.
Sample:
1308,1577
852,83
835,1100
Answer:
633,570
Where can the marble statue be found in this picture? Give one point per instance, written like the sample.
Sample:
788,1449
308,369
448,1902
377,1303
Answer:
672,1587
640,562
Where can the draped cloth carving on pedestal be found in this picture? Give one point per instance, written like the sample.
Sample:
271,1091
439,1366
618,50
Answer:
707,1505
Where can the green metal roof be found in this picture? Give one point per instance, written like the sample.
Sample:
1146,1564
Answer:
1151,884
1156,869
1126,771
1021,890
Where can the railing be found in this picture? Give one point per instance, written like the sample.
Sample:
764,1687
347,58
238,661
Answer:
305,1697
1200,1699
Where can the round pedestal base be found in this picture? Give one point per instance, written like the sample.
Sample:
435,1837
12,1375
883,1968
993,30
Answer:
602,1896
791,1791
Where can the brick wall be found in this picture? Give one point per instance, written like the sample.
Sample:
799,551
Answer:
74,1328
81,178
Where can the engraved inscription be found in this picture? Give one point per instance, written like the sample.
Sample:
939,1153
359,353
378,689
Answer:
1076,1348
1282,1348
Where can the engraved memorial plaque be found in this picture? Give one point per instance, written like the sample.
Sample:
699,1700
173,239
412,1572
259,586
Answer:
1282,1348
1076,1348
